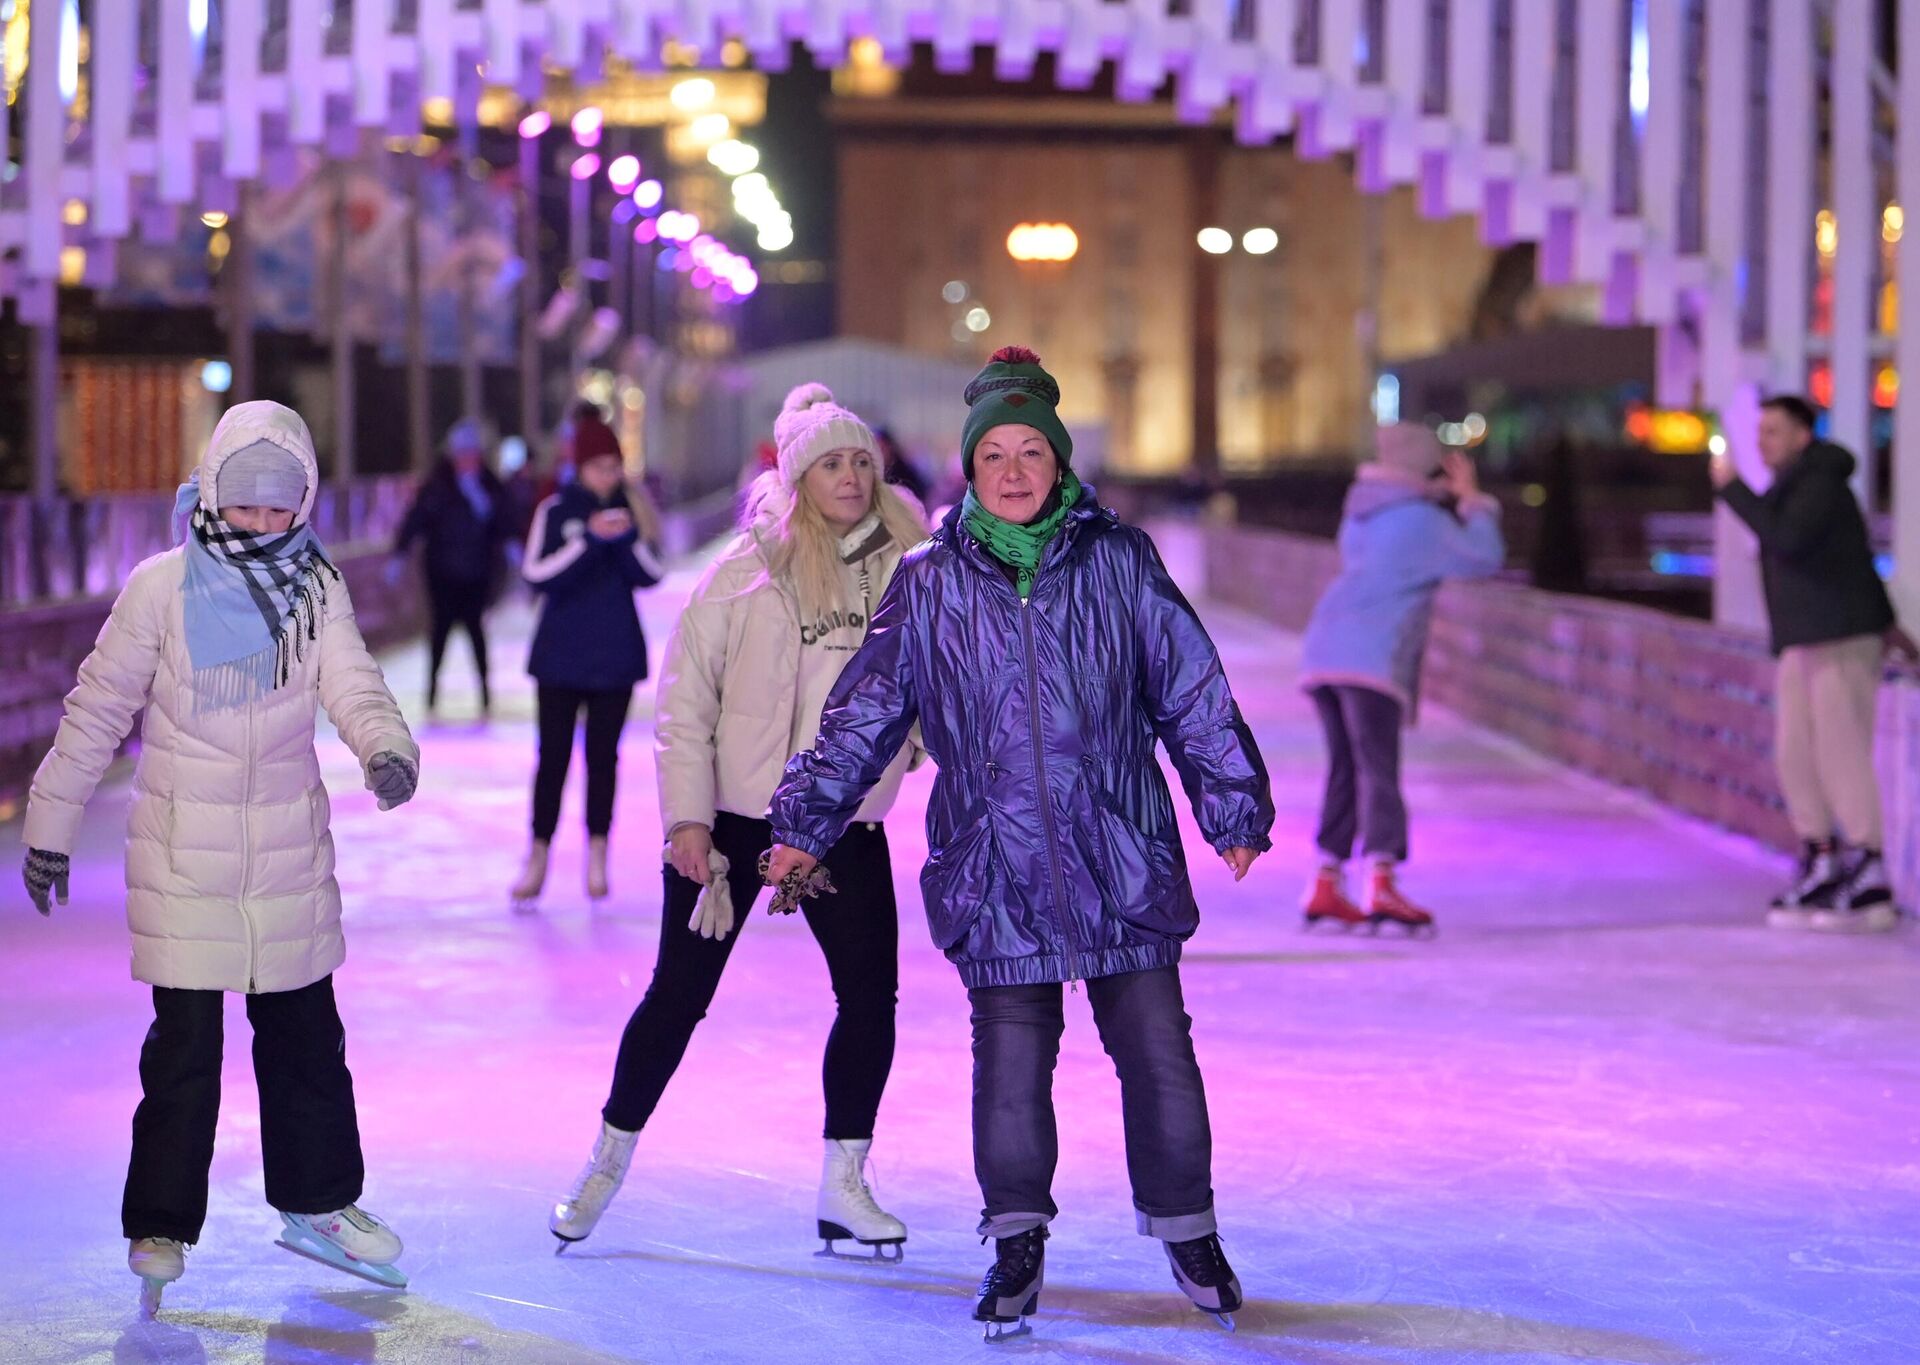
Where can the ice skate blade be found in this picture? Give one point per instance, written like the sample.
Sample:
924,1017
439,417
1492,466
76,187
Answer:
1378,922
876,1253
1873,919
524,905
390,1276
1308,923
1224,1319
1007,1331
150,1292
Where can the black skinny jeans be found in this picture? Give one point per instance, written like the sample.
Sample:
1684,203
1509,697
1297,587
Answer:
1362,803
1144,1027
858,928
309,1134
453,602
559,709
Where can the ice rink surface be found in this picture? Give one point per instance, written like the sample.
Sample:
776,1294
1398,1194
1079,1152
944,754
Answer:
1605,1115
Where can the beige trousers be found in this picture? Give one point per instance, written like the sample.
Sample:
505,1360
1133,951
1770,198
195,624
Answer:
1825,697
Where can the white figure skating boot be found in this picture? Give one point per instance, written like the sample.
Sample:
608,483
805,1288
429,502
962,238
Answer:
533,877
575,1216
597,867
1200,1269
846,1209
348,1239
158,1261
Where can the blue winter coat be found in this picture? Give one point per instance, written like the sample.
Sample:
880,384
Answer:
589,633
1054,854
1397,547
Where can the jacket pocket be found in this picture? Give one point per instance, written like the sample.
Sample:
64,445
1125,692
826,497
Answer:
1143,878
957,882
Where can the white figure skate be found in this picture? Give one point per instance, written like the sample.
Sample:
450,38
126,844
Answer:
576,1216
847,1211
158,1261
347,1239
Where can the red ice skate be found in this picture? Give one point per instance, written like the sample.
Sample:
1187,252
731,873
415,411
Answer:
1327,899
1386,905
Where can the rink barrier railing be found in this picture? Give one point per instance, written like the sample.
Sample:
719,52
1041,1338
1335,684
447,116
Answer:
78,554
1680,710
86,547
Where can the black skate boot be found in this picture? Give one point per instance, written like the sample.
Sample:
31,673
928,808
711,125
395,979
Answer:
1200,1269
1815,879
1011,1290
1860,900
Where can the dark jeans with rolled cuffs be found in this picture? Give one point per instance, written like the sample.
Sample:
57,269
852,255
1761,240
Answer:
858,929
1144,1027
309,1133
1363,804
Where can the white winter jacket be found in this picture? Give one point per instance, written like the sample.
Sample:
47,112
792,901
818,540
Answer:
229,863
724,712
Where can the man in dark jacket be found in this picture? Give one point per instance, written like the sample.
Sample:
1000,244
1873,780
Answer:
461,513
1831,621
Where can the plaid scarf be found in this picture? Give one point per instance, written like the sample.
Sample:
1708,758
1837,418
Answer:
252,605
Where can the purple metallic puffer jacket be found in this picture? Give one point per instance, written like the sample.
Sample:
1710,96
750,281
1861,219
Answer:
1054,852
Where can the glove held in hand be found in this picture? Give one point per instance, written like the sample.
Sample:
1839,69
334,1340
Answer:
713,915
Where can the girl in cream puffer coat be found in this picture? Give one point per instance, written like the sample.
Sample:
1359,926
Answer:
747,672
231,641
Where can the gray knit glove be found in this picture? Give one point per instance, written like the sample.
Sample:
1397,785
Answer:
392,777
45,872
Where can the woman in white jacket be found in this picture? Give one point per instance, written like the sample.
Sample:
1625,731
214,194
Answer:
747,672
231,640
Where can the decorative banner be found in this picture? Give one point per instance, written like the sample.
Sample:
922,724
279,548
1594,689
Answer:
292,239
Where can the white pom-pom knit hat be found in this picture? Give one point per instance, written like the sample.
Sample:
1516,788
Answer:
810,426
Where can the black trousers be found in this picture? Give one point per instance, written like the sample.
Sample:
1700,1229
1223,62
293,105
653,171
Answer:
1363,805
858,928
455,603
1143,1023
309,1134
559,709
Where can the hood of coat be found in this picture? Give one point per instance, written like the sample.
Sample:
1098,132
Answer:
245,423
1376,488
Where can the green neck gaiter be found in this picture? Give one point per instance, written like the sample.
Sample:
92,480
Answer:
1020,546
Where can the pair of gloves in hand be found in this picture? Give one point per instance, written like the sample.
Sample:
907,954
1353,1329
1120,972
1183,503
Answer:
391,777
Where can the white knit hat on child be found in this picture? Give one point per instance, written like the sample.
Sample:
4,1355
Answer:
810,426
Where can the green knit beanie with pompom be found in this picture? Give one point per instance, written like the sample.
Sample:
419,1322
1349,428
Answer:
1013,389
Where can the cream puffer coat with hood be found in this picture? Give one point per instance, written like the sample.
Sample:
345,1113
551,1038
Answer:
229,861
729,688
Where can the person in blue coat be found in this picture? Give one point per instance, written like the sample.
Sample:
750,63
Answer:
1414,518
1045,652
585,556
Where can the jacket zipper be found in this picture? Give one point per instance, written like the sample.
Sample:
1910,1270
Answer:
246,859
1046,797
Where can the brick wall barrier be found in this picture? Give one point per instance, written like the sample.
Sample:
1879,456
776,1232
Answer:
1681,710
41,648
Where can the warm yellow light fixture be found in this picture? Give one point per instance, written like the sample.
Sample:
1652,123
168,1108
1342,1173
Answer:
1043,242
692,94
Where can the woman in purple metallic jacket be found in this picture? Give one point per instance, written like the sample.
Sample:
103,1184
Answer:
1043,649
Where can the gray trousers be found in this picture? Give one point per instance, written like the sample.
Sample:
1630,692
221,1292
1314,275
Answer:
1363,805
1144,1027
